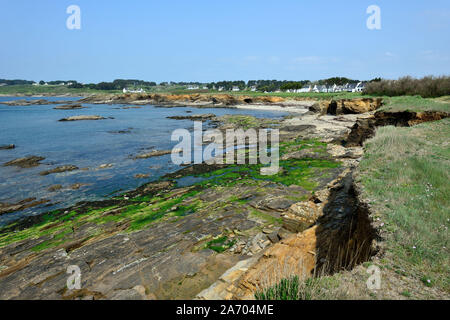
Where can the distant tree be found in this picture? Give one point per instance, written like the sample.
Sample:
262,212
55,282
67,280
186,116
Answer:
106,86
41,82
75,85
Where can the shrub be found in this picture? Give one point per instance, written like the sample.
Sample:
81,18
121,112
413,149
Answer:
427,87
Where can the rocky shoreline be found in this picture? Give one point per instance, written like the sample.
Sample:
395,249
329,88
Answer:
217,238
341,106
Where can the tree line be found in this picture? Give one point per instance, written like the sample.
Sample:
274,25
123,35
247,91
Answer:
426,87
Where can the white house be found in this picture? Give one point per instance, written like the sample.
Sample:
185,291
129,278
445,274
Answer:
306,88
333,88
140,90
339,89
192,87
253,88
320,88
235,88
360,87
349,87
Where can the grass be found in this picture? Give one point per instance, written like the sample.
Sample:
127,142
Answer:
405,173
292,288
416,104
220,244
300,172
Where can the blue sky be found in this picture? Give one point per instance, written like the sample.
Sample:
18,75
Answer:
213,40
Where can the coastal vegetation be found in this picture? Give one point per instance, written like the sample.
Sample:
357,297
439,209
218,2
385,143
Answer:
427,87
403,176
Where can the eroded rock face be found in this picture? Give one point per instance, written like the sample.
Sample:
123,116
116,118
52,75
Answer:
352,106
348,106
340,236
26,162
364,128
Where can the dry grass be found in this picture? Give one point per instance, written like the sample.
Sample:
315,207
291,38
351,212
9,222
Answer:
405,176
427,87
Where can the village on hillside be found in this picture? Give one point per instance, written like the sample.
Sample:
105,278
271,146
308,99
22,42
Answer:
348,87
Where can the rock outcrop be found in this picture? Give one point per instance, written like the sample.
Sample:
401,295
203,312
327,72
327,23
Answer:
59,170
364,128
83,117
70,107
21,205
31,102
348,106
7,147
344,106
207,116
26,162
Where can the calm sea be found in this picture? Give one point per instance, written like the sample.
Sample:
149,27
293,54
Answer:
35,130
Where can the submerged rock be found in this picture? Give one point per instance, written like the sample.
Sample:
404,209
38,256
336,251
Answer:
55,187
77,186
26,162
24,102
207,116
7,147
141,176
70,107
105,166
59,170
124,131
79,118
21,205
155,153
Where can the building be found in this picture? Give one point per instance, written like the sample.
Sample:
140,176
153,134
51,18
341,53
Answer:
332,88
350,87
192,87
235,88
360,87
320,88
140,90
306,88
